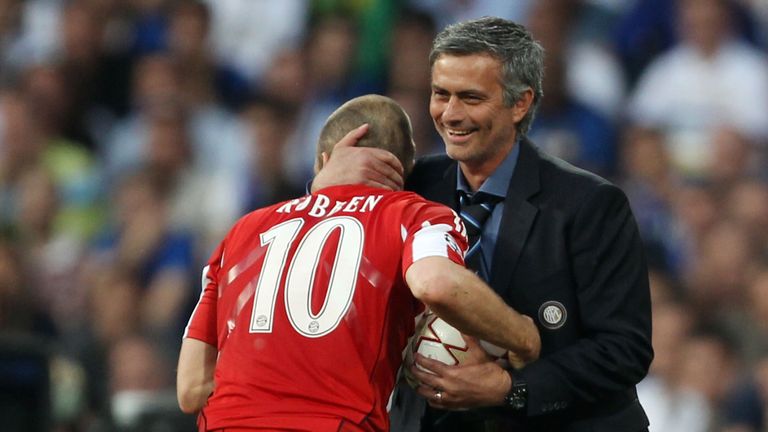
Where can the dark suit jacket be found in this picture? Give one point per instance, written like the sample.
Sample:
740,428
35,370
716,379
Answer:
567,236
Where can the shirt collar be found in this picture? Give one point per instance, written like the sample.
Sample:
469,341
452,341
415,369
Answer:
498,183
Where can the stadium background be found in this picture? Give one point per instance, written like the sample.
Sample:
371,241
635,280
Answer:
133,132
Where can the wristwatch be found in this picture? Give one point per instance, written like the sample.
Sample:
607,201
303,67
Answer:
517,398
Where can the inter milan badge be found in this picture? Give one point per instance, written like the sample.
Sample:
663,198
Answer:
552,315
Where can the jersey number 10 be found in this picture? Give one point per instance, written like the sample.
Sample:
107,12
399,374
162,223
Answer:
301,275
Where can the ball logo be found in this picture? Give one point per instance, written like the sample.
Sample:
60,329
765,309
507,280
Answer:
552,315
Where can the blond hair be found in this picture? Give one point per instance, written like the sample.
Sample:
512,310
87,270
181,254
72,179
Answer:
389,127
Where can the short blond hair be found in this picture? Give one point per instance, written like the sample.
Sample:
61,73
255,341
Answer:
389,127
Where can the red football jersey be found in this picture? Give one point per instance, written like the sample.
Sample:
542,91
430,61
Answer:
306,303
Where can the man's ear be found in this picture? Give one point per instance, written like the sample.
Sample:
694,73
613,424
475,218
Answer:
523,105
320,161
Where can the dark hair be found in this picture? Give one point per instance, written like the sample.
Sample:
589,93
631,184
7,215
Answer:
389,127
521,57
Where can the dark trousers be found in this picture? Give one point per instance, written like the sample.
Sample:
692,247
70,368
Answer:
485,421
458,421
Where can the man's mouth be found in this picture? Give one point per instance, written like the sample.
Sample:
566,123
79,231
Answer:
459,132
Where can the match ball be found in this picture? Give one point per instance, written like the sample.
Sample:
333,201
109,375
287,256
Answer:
438,340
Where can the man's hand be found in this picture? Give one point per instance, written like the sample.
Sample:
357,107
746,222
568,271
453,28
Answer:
481,382
353,165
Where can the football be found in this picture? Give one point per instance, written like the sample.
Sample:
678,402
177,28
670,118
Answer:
436,339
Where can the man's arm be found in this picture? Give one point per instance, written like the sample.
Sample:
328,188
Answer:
348,164
194,378
463,300
611,282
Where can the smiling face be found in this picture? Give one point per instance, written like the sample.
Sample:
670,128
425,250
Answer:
469,113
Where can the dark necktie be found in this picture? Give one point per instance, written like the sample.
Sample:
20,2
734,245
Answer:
474,211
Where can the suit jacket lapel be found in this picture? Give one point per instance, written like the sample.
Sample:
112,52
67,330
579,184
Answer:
444,191
518,217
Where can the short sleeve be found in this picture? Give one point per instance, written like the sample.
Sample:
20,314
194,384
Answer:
202,323
433,229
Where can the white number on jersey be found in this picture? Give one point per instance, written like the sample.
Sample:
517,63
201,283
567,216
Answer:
301,275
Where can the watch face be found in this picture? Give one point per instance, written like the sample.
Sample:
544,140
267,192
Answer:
518,396
517,403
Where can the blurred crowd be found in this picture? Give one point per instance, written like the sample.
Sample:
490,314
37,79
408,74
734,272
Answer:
134,132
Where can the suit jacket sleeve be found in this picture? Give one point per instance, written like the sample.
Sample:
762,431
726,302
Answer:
611,282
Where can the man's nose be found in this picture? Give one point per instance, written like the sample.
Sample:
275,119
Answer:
454,110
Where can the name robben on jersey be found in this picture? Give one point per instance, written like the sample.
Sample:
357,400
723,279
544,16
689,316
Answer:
320,205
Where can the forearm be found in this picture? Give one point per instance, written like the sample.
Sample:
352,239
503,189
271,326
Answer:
194,383
196,397
469,307
463,300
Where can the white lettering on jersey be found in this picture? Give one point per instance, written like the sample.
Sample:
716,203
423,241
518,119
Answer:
337,208
370,203
299,203
285,208
431,240
320,206
304,203
353,203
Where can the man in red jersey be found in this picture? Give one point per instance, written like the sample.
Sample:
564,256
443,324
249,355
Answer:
308,304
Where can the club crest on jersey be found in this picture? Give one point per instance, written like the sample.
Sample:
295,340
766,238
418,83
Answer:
314,326
552,315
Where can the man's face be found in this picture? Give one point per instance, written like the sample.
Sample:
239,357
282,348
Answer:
468,110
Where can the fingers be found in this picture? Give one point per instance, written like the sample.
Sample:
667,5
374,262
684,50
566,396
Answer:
352,165
429,372
352,137
376,178
436,367
536,337
472,342
391,170
375,167
435,397
515,360
392,161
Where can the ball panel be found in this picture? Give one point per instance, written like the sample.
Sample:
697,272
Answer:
438,340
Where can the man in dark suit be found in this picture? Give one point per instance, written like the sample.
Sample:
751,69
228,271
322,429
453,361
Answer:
559,244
